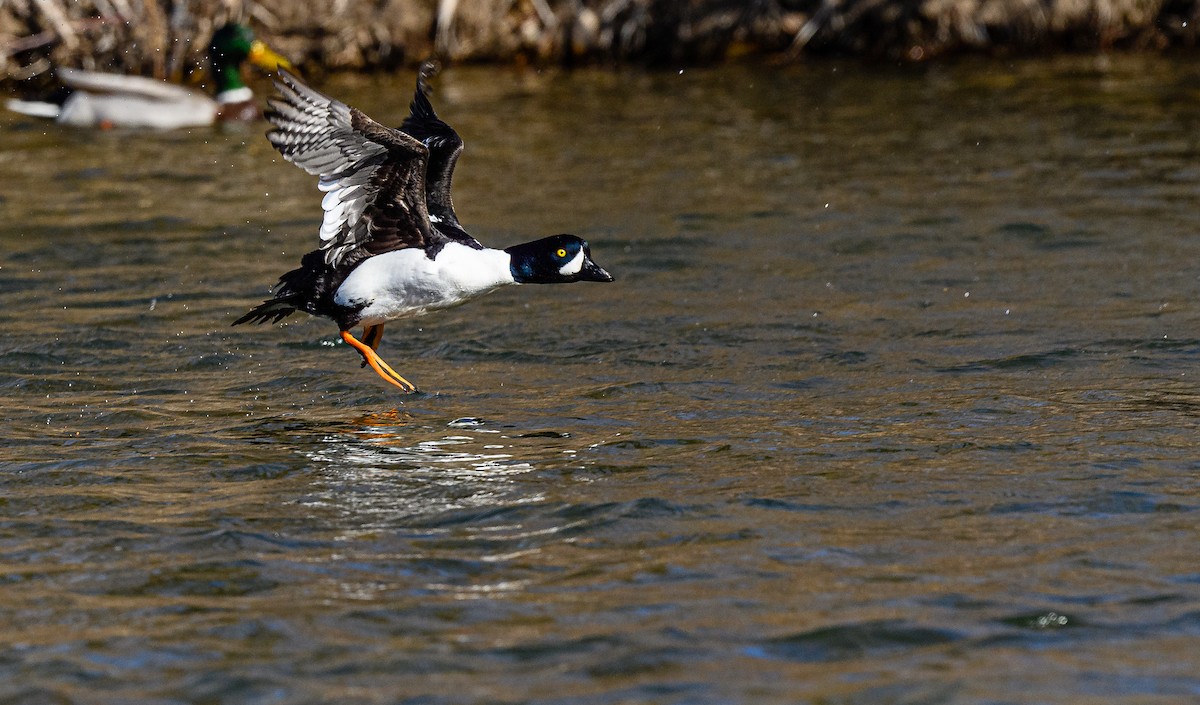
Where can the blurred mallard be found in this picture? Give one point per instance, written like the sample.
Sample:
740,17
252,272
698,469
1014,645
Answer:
100,99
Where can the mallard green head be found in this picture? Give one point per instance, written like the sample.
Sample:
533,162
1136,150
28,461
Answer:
232,45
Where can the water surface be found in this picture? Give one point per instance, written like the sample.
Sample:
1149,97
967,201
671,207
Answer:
892,401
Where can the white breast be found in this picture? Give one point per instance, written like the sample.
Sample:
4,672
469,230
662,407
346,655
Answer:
406,283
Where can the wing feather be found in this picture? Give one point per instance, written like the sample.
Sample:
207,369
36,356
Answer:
373,176
444,147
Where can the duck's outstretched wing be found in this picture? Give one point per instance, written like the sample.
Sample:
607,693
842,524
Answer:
444,147
373,176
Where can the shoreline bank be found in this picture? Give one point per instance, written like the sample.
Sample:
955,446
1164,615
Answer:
166,38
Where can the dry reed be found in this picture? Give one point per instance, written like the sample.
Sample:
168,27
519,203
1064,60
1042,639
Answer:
167,38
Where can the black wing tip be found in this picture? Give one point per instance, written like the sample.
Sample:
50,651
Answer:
294,91
421,108
429,68
287,78
422,121
273,118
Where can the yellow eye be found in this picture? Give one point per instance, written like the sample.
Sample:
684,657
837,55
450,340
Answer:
561,252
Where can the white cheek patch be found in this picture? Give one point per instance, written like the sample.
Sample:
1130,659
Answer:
573,267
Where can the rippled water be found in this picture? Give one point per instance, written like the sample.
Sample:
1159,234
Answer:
893,401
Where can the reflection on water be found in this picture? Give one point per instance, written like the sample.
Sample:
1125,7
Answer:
892,401
376,475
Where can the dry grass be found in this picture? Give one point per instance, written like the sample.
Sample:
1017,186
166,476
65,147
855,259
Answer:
167,38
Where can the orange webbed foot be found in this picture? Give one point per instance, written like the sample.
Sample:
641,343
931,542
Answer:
372,358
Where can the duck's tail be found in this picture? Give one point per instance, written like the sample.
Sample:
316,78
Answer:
302,289
269,311
34,108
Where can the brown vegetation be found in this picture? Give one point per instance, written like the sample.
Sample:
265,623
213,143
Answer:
167,37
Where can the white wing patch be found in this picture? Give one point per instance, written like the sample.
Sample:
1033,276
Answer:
316,133
574,266
344,202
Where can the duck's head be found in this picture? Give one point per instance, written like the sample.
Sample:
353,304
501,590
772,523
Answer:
230,46
558,259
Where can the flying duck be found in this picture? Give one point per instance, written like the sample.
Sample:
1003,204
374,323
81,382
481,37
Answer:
391,244
107,100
